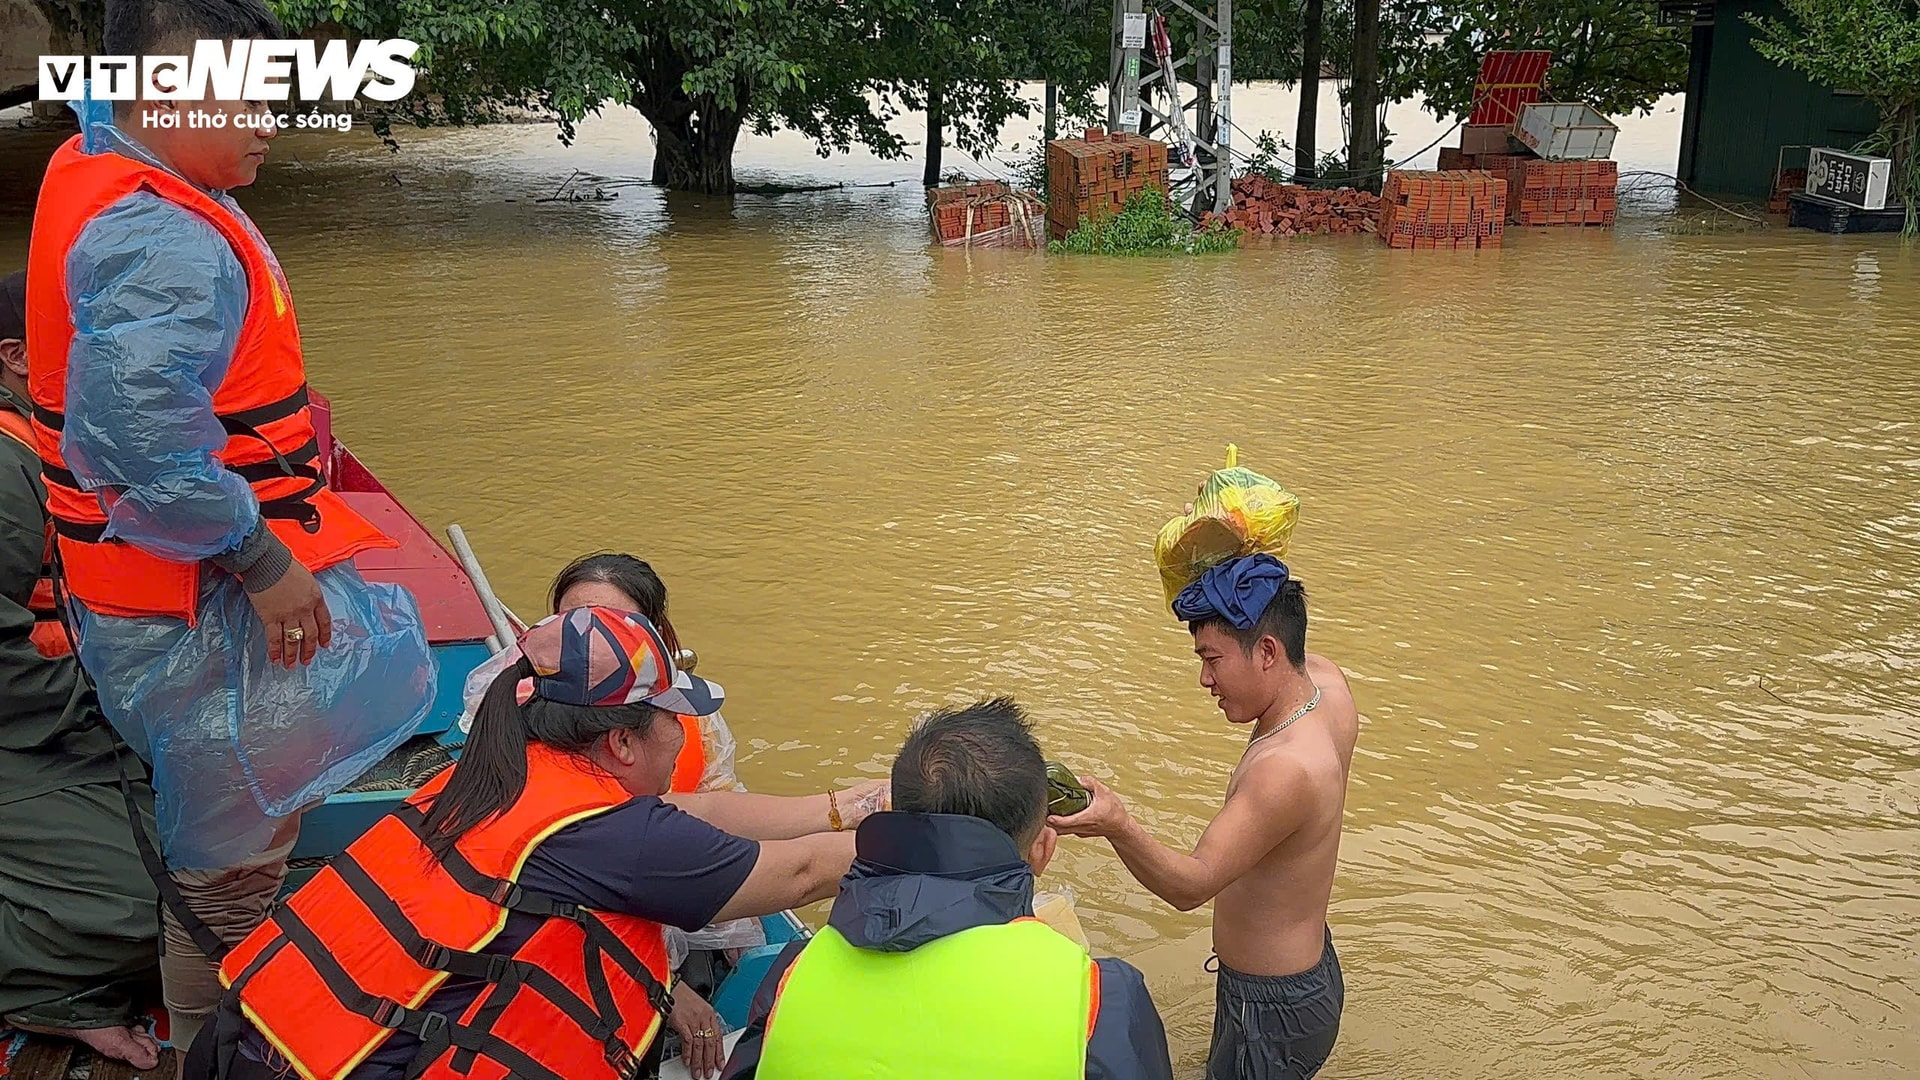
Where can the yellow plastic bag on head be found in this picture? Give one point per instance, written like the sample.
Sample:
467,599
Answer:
1238,512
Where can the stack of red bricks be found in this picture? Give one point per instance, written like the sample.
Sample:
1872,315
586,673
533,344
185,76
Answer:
987,214
1095,175
1791,180
1454,159
1443,210
1548,192
1265,208
1562,192
953,205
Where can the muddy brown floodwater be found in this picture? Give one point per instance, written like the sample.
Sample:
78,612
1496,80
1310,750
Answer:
1615,531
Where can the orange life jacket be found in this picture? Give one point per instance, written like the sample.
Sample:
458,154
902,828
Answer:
349,958
691,766
262,401
49,635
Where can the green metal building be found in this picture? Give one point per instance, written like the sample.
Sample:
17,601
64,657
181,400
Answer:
1743,108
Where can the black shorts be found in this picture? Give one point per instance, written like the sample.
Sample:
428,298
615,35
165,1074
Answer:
1276,1027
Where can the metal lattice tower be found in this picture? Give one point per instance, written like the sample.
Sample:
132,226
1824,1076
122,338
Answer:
1201,80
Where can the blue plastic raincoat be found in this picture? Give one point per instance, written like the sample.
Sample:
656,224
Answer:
158,300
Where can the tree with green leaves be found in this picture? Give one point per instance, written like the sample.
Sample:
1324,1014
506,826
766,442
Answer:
1871,47
1611,54
699,71
958,62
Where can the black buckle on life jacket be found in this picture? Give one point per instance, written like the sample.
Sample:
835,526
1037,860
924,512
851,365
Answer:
625,1064
660,998
390,1014
494,969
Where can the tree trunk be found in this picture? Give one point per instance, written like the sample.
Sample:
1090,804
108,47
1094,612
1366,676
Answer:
1053,111
1305,156
936,130
1363,156
695,153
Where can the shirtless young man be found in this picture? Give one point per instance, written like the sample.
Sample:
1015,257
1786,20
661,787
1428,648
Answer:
1268,858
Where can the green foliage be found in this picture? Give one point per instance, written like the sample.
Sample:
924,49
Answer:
1871,47
1029,170
1611,54
698,70
1272,157
1146,225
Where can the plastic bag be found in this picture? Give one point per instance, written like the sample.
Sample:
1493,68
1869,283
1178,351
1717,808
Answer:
732,934
1055,908
720,747
237,743
1237,512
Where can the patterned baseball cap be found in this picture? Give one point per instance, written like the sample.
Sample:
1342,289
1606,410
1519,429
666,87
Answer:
599,656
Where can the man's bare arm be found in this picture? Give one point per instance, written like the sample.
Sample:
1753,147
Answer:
1261,812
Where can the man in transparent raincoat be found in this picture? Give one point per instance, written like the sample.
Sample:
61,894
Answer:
208,565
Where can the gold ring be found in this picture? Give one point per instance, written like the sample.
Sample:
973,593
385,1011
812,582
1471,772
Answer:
703,1034
295,633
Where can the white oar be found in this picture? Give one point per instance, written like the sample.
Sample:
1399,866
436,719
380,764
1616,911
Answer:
497,612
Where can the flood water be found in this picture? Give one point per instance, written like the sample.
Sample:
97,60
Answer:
1615,532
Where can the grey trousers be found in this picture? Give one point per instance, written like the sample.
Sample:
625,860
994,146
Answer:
232,901
1276,1027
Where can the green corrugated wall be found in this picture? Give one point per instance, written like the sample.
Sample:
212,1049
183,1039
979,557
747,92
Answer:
1752,107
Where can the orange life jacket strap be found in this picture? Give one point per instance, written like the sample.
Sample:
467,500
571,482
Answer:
303,455
246,421
601,1020
504,973
49,634
291,507
297,463
238,422
435,1032
510,895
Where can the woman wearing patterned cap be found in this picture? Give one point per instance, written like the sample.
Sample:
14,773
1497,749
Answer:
514,909
705,764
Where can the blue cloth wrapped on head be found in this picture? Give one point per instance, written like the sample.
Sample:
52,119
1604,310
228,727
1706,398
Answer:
1237,590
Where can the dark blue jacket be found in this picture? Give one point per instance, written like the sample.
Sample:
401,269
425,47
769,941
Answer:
920,877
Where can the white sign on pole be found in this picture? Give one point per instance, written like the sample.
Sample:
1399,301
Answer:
1133,30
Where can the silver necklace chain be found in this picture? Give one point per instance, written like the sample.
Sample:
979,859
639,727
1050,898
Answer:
1312,704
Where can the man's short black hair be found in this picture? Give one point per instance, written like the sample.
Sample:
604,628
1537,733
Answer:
1285,620
150,27
980,761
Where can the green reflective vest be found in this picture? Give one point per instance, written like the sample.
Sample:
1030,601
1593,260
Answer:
1011,1002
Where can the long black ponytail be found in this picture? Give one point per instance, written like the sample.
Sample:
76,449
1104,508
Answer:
492,771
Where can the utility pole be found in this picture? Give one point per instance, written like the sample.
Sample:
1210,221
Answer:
1201,86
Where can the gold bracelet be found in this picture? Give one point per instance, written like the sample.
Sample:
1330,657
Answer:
833,812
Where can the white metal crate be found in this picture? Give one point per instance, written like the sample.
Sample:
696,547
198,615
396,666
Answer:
1565,131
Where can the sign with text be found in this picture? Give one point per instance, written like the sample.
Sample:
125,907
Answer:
245,70
1849,178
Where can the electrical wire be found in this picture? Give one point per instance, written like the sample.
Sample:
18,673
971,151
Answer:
1681,185
1385,165
989,168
